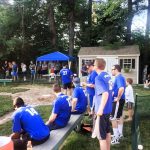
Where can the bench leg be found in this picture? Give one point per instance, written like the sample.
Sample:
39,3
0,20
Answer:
4,83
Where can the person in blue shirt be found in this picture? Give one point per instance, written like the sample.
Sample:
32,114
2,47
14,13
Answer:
118,104
66,77
27,126
90,84
79,100
61,110
102,104
14,71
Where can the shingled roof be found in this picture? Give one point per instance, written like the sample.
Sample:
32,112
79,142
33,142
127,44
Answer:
125,50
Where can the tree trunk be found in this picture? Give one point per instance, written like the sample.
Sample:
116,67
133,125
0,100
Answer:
147,32
71,5
129,22
53,37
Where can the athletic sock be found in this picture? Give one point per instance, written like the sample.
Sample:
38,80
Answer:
120,129
116,133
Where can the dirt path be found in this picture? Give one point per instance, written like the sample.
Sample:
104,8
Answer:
35,96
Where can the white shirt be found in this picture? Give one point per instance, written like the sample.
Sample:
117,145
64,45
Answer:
129,97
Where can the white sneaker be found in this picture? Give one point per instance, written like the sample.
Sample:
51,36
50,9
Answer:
115,141
120,136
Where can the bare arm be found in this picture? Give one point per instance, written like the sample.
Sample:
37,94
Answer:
15,135
74,102
120,92
103,103
51,118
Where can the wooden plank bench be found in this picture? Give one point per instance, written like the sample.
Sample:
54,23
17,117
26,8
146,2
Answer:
57,137
5,81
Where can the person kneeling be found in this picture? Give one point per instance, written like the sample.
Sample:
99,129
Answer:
61,110
79,100
27,126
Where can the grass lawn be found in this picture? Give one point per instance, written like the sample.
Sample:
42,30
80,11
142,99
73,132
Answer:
5,105
11,88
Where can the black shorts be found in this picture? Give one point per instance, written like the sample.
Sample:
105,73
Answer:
67,86
104,126
117,109
129,105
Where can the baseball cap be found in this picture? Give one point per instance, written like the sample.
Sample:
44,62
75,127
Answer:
76,80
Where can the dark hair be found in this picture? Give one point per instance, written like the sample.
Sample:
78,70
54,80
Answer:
117,67
18,102
56,88
129,80
89,64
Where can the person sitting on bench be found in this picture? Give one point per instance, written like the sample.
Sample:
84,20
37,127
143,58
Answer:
27,126
61,111
79,100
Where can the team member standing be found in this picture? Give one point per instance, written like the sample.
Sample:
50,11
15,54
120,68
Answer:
32,68
61,110
102,105
79,100
90,83
27,126
118,104
66,77
129,98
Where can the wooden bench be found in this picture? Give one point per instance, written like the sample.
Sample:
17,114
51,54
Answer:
57,137
5,81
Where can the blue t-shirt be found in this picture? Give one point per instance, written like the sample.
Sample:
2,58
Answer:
119,82
81,99
65,75
62,108
103,83
28,119
91,80
14,68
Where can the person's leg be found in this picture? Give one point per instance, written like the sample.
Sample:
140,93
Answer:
21,143
108,140
69,86
54,126
113,117
103,144
35,142
120,117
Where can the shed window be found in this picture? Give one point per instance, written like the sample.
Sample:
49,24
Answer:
127,63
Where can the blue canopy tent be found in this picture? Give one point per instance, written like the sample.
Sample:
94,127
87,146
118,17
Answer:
55,56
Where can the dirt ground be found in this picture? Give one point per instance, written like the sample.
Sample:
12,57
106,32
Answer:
36,95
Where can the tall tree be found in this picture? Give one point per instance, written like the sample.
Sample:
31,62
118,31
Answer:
147,32
52,25
71,6
129,21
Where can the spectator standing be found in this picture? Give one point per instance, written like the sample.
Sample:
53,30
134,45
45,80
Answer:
24,71
66,77
5,69
79,100
14,72
61,110
32,68
118,104
39,70
102,105
147,82
44,68
145,73
27,126
84,70
129,98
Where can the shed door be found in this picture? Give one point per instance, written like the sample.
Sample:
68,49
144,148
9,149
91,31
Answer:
110,61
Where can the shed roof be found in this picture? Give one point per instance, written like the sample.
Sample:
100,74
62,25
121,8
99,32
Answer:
125,50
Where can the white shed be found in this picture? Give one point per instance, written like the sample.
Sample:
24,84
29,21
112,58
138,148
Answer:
127,57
